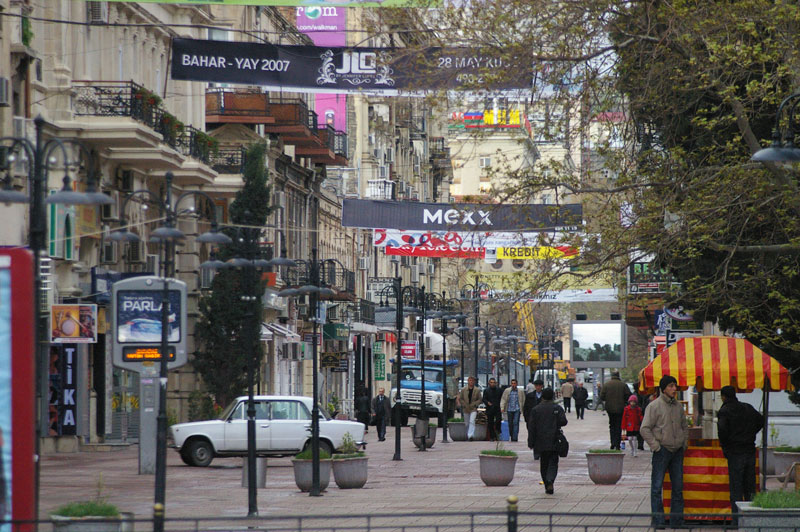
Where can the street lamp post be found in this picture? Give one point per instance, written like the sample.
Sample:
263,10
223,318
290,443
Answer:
167,235
445,316
475,291
315,291
39,156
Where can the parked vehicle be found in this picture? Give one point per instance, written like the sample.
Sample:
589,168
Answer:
283,428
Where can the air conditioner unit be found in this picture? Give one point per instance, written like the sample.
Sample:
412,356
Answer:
5,92
137,252
431,269
108,250
363,263
381,337
97,12
428,343
414,274
152,264
280,199
421,269
20,126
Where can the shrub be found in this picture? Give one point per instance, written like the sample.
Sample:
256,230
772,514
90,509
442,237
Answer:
88,508
357,454
498,452
787,449
605,451
305,454
456,420
201,406
348,445
777,499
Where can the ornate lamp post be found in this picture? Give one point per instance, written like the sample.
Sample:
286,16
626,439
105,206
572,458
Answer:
314,272
167,235
42,157
445,316
474,291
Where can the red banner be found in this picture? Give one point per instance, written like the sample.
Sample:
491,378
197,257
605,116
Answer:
408,350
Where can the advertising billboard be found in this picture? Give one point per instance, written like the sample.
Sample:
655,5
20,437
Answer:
74,324
598,344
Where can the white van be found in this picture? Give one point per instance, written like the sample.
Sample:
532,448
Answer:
549,377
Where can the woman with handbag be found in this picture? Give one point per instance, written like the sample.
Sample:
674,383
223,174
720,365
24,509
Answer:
544,426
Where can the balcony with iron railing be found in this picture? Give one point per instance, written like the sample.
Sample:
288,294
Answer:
332,148
131,100
237,107
229,160
293,120
332,275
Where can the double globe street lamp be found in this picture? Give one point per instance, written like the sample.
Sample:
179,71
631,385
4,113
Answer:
445,316
167,235
41,157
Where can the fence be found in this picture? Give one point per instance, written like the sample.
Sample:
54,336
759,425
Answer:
510,521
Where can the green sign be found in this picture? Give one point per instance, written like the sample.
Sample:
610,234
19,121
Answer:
335,331
380,366
301,3
377,348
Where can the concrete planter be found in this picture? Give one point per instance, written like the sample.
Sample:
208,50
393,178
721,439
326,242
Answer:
350,473
87,524
605,468
755,519
770,459
457,431
497,470
430,438
480,432
783,461
303,473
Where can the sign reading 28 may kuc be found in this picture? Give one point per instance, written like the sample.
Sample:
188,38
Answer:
322,69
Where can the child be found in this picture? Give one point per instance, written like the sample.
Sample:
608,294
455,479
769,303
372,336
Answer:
632,421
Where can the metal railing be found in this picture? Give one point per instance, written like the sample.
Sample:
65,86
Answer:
237,103
293,112
229,161
510,520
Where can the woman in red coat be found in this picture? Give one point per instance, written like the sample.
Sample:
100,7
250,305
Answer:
632,422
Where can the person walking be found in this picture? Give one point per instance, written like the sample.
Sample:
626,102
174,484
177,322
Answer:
545,420
494,419
615,395
511,404
529,387
533,398
666,431
382,411
468,400
631,423
737,425
580,395
567,390
362,406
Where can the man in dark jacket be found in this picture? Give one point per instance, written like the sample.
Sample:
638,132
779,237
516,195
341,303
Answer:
615,395
738,424
491,398
532,398
543,425
580,395
382,411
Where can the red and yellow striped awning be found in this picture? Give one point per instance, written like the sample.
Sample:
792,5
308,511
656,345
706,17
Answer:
711,362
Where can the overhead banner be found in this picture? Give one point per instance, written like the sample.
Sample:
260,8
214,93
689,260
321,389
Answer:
331,69
466,217
309,3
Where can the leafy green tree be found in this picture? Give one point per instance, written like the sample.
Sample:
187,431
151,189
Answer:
228,331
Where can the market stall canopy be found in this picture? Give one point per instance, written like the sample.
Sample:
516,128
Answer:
711,362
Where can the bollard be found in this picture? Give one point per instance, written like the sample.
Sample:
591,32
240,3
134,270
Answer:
261,471
512,513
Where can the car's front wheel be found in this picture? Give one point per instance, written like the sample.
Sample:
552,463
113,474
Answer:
323,447
200,453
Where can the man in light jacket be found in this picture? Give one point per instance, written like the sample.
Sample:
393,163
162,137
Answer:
567,390
666,431
511,404
468,399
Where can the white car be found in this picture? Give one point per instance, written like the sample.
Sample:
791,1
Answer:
283,428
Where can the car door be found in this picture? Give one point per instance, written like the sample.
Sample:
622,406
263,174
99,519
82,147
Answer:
236,429
290,424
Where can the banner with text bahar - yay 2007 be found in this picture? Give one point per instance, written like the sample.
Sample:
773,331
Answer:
139,316
321,69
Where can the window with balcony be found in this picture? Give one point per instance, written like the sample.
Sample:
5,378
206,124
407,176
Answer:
380,189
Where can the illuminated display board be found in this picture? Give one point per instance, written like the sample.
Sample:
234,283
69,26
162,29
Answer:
141,354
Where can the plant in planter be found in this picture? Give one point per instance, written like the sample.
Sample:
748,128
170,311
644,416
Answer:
302,464
785,456
95,515
350,467
776,511
605,465
497,466
430,438
457,428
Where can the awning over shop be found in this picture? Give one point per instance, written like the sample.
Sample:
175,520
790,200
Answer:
711,362
268,329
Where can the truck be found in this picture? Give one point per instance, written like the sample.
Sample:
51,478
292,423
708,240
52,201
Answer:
437,374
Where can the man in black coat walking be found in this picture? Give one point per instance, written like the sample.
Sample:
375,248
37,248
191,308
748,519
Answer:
738,424
580,395
494,418
543,425
382,411
532,398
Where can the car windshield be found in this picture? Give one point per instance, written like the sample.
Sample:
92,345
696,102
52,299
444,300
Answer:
415,374
227,410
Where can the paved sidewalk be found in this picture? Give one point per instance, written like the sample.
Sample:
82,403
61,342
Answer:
444,478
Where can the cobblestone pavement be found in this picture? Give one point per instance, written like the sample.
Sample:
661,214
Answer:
443,479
